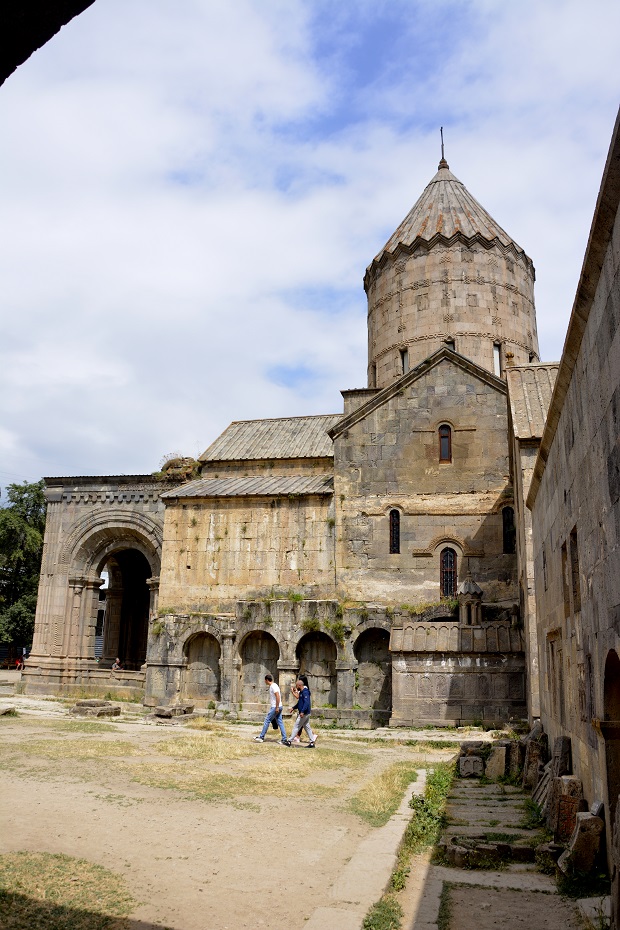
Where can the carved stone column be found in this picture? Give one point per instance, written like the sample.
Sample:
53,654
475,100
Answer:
228,670
88,618
345,679
287,673
72,640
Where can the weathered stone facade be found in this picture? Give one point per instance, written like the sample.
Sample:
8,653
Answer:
367,549
575,502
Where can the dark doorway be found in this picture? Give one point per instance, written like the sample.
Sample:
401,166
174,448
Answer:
259,657
373,685
125,627
317,659
611,730
201,677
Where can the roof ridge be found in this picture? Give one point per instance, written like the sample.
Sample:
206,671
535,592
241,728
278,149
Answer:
302,416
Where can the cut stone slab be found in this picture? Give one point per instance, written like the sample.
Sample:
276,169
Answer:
564,786
496,763
471,766
535,758
583,846
95,709
7,710
592,909
174,710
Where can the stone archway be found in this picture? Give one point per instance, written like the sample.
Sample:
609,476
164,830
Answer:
126,612
317,660
373,685
201,676
610,727
259,653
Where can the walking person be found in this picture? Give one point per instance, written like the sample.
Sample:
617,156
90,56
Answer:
275,711
304,709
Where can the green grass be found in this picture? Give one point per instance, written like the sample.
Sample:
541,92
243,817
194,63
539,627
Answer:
423,830
379,798
445,908
386,914
42,891
533,818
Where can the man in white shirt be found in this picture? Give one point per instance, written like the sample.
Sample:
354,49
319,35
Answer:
274,712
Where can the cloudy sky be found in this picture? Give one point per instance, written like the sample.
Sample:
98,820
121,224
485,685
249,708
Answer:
192,189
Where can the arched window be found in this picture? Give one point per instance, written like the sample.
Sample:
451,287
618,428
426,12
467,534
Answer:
394,532
445,443
448,573
508,517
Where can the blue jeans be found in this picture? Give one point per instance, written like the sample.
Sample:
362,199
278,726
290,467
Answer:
271,715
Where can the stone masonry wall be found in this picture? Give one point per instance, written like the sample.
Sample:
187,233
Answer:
390,459
475,295
578,578
222,550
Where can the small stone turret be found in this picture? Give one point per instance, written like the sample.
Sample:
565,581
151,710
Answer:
470,601
449,275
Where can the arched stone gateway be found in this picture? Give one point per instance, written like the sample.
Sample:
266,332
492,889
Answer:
259,653
317,659
201,675
82,626
373,681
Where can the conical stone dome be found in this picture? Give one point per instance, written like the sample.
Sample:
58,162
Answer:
449,274
446,209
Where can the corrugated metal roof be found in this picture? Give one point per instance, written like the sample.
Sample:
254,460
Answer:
530,388
261,486
286,438
445,208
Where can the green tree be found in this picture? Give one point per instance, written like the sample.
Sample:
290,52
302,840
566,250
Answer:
22,524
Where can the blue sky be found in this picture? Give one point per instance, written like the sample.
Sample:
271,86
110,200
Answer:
191,193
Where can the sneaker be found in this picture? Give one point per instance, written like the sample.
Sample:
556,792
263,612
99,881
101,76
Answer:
296,740
259,739
284,742
310,746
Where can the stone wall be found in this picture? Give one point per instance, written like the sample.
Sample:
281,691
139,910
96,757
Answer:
386,456
575,501
524,457
476,295
445,673
222,550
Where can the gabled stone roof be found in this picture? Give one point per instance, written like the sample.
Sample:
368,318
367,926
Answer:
383,396
255,486
446,210
530,388
285,438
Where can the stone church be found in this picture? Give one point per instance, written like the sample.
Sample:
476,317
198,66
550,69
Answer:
384,550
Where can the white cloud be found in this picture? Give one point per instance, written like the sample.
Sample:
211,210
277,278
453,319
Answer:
191,194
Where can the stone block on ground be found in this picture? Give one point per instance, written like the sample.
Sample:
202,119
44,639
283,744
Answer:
547,855
174,710
564,786
584,844
471,747
496,763
516,755
7,710
535,758
471,766
95,709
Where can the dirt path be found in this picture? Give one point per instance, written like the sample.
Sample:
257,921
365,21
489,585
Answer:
206,843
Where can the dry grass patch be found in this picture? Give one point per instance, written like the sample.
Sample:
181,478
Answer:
41,891
284,772
210,748
379,798
71,748
205,723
